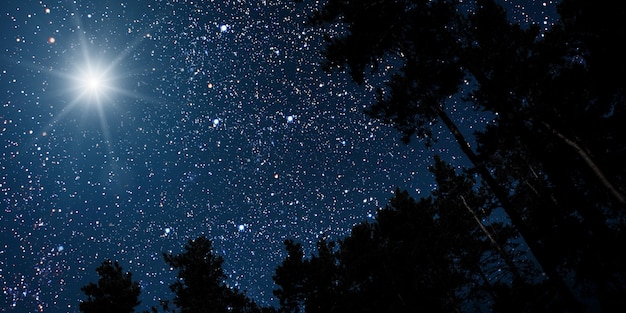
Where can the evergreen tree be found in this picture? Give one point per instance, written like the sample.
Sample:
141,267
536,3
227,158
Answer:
436,254
114,292
200,285
307,285
553,159
557,146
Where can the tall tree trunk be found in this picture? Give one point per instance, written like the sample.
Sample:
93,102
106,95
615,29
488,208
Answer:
517,277
617,195
547,263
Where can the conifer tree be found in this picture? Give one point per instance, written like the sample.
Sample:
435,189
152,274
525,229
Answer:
115,291
200,283
553,157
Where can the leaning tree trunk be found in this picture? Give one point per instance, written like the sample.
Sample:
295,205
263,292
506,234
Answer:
547,263
517,277
614,191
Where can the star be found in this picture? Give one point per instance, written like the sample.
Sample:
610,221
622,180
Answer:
93,83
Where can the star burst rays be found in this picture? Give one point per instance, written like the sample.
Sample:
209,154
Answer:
92,83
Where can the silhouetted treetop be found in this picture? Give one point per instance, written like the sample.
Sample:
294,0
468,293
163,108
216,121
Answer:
114,292
200,285
552,156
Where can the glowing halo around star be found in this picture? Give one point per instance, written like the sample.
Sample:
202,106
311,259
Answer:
93,83
96,79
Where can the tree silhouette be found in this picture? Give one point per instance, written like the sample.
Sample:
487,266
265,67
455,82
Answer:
307,285
553,159
200,286
556,145
435,254
486,251
426,36
114,292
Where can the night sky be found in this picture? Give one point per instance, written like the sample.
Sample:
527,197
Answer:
128,128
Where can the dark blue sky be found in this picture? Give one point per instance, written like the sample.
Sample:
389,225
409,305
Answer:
208,119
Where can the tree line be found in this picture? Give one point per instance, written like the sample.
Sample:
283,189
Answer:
436,254
553,161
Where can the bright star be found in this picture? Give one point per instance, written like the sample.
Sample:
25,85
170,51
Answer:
93,83
96,80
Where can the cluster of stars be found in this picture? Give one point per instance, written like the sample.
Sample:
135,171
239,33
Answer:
127,129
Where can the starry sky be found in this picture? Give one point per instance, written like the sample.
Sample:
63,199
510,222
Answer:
129,127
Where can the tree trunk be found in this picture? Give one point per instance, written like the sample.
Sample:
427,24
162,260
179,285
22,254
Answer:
517,277
546,262
617,195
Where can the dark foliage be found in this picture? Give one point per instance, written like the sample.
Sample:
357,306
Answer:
114,292
436,254
200,286
553,158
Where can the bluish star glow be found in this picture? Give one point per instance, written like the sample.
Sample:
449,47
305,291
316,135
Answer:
93,83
